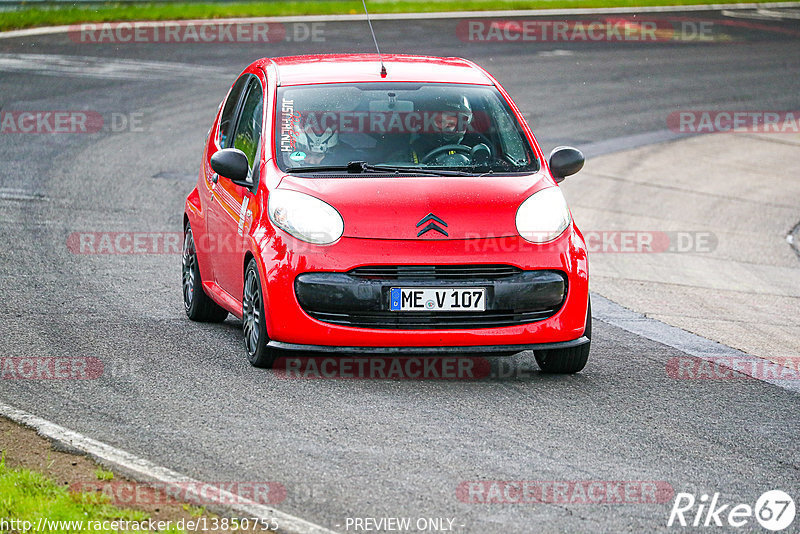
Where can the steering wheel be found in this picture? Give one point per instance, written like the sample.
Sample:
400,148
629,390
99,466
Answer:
460,149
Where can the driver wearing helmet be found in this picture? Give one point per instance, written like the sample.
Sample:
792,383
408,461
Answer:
443,144
313,148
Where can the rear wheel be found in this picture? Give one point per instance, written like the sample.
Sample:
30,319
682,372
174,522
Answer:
198,305
567,361
254,323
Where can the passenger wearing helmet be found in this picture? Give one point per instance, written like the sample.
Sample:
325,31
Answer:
312,148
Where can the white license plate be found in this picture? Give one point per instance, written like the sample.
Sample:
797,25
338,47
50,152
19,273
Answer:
437,299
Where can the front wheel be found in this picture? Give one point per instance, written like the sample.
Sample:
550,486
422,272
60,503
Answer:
567,361
254,324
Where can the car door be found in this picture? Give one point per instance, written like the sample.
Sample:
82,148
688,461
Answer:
218,139
229,211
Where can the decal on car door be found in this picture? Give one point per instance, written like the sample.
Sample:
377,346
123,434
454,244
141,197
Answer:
242,213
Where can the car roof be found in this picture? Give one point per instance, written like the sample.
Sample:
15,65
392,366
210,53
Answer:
354,68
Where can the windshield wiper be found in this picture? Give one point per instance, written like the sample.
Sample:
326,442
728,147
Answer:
363,166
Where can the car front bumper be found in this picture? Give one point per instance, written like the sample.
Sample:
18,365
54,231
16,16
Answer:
514,297
494,349
303,283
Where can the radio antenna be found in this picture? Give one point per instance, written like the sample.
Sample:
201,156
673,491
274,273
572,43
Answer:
380,57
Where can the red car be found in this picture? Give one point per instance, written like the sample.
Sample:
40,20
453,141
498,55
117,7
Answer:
357,204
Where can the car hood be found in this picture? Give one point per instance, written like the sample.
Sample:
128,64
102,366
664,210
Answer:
375,207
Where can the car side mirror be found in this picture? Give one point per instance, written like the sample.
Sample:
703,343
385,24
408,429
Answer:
233,165
565,161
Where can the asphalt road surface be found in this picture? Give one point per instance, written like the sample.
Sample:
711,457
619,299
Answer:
182,394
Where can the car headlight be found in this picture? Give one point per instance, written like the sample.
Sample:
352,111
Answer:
543,216
305,217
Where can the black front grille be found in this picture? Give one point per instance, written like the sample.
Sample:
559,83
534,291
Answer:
360,298
441,272
422,321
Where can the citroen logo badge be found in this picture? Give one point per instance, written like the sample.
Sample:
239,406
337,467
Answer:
431,225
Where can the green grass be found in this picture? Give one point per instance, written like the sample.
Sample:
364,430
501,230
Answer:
28,496
31,17
102,474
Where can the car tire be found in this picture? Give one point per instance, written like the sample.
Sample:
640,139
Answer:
570,360
198,305
254,324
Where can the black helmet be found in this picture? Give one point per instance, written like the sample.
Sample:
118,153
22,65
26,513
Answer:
455,106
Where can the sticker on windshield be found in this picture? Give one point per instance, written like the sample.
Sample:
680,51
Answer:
297,156
288,120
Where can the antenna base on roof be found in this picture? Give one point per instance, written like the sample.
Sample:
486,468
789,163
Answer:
377,48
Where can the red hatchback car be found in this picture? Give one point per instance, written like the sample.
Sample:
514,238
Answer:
343,207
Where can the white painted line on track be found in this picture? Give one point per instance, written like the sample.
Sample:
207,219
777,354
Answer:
691,344
780,15
761,14
752,15
32,32
143,470
105,68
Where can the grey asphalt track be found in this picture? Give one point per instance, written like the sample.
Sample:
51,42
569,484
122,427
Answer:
182,394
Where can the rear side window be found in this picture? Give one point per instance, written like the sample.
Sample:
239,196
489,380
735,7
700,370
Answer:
226,121
248,129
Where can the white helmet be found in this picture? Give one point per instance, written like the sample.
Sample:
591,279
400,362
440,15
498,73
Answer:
307,140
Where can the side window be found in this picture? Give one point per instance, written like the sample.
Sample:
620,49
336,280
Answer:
510,139
226,121
248,129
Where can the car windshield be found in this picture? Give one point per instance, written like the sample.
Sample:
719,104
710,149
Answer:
402,126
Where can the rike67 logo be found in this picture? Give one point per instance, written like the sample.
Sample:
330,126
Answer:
774,510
